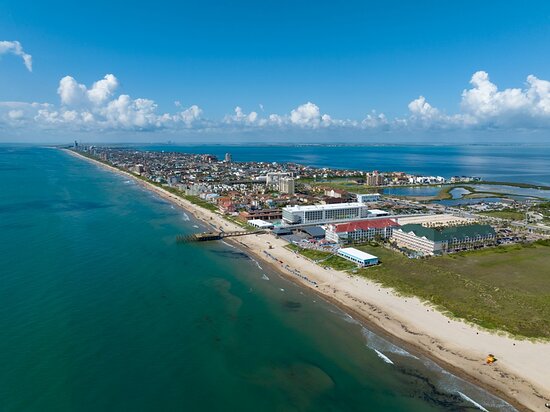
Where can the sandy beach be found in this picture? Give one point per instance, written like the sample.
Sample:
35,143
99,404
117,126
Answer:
521,375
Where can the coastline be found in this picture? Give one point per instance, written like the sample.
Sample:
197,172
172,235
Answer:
520,376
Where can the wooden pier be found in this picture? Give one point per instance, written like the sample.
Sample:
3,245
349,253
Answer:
208,236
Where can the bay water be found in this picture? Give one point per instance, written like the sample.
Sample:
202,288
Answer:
520,163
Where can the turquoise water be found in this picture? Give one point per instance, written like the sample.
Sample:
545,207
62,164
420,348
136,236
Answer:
102,311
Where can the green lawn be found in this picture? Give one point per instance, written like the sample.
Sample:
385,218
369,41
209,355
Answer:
348,185
505,214
504,288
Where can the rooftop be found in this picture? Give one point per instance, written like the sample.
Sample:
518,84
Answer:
365,225
357,253
449,233
299,208
314,231
378,212
260,223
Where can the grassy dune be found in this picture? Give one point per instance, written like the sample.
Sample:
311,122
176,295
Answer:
504,288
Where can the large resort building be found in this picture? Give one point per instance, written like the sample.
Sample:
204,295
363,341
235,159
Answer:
360,231
318,214
435,241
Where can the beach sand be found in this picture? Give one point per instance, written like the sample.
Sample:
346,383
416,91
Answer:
521,375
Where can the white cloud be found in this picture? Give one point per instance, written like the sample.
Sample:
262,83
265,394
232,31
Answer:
189,115
14,47
73,93
16,114
307,115
484,105
98,107
103,89
422,109
70,92
527,107
375,120
242,118
101,107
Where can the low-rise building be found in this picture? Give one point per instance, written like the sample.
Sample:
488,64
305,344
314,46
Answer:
337,193
263,214
313,232
360,231
377,213
358,256
260,224
434,241
367,197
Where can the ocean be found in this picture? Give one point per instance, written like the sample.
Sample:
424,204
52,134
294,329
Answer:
507,163
103,311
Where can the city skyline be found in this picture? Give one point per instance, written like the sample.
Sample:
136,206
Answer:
357,73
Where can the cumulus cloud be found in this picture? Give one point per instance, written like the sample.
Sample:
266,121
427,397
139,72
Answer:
529,106
14,47
307,115
241,118
189,115
73,93
375,120
422,109
101,106
484,105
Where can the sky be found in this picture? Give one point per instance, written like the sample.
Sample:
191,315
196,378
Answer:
358,71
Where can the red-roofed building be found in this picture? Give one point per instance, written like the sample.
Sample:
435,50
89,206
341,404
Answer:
360,231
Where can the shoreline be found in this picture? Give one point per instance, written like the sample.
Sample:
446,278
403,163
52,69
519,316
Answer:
518,377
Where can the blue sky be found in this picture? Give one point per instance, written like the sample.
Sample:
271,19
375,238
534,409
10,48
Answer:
345,59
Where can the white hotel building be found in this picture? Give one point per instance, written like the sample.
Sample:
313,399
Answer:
319,214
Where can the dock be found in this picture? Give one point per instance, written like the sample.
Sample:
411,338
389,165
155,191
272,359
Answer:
209,236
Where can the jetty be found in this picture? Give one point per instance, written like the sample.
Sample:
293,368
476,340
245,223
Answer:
208,236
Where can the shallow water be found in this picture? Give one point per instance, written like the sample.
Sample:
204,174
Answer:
412,191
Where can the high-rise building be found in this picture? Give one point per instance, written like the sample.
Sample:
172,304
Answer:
287,185
325,213
374,179
228,157
138,169
273,178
